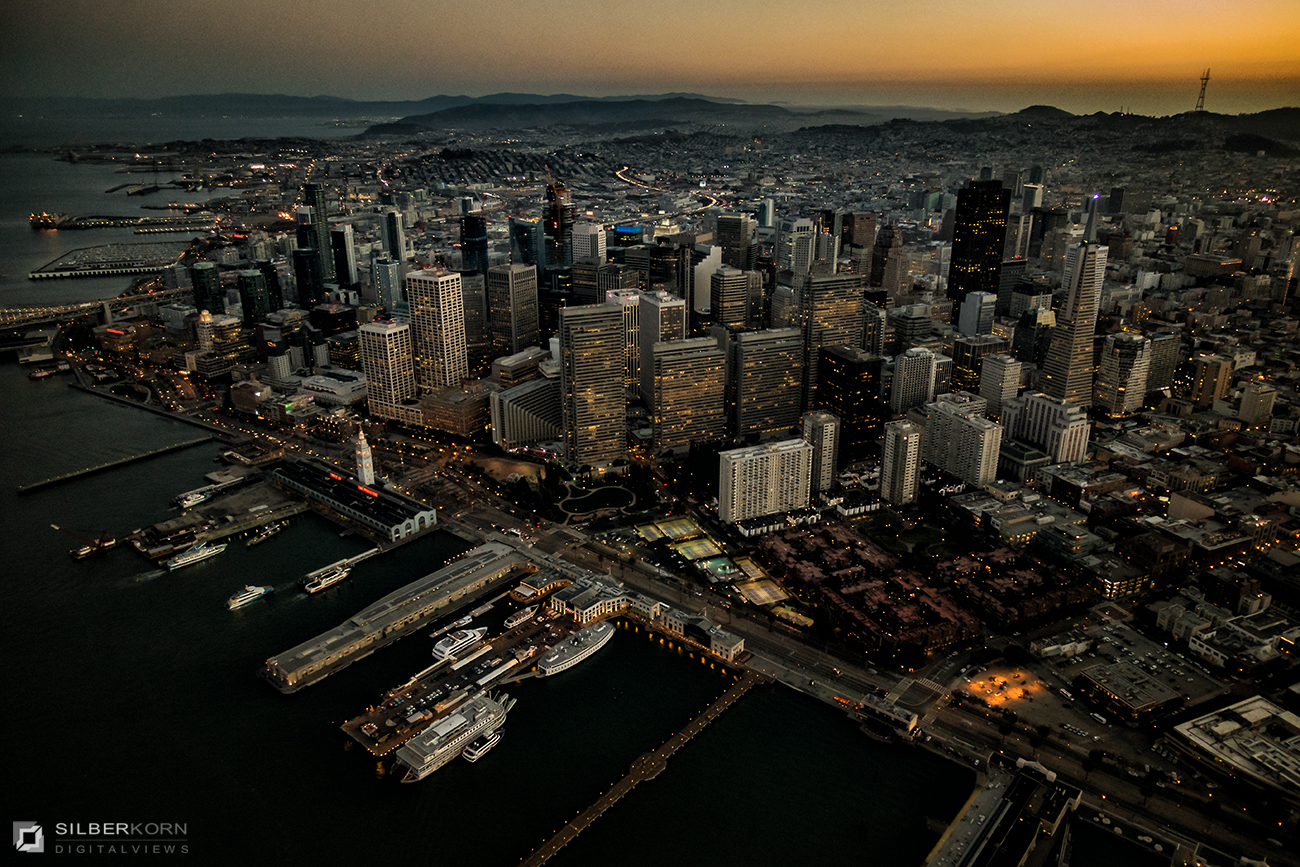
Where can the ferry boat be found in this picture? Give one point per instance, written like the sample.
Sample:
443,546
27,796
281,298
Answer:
479,747
458,641
267,532
523,615
201,551
249,594
449,737
575,649
41,373
327,578
193,498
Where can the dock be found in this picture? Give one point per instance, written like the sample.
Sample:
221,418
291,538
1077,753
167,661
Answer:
647,767
108,465
346,561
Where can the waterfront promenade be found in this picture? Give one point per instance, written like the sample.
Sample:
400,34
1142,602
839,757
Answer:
646,767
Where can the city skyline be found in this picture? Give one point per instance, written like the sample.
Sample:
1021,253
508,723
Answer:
1149,61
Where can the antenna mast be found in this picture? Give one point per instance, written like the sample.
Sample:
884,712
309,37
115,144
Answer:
1200,100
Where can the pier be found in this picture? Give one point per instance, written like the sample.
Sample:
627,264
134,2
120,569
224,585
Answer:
647,767
121,462
346,561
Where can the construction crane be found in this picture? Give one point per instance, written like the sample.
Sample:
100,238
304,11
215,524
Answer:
93,546
1200,100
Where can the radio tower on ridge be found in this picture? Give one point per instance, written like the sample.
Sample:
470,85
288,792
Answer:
1200,100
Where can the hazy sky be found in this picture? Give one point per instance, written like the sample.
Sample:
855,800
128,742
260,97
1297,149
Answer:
1144,55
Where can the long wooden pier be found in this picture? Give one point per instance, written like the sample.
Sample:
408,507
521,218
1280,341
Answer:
121,462
647,767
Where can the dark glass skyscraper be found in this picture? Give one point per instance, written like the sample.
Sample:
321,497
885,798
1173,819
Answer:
474,243
851,386
557,226
313,195
206,279
979,234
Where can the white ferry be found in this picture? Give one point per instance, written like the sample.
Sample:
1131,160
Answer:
523,615
250,593
327,578
458,641
201,551
479,747
449,737
575,649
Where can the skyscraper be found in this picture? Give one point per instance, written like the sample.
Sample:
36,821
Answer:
976,314
1164,359
307,275
388,361
1068,368
313,195
478,322
438,328
253,296
206,278
821,430
345,254
557,226
959,440
968,354
628,301
395,237
1059,429
764,381
513,307
796,245
689,382
729,297
901,462
914,376
474,243
589,242
1212,377
735,235
764,480
1121,382
526,242
851,385
979,234
830,311
592,396
999,382
386,276
662,320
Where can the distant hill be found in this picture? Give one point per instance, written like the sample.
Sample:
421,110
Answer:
1042,111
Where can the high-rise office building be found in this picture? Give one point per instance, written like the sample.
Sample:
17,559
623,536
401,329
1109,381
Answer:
557,226
592,395
345,255
959,440
999,382
208,294
478,320
474,243
274,286
513,307
851,385
1058,429
526,413
901,461
830,312
915,372
1212,377
859,229
735,235
253,296
1068,368
386,276
764,480
394,234
1165,346
307,275
979,235
589,242
388,361
976,314
689,383
764,381
821,430
313,196
1257,400
628,301
662,320
968,354
1121,384
527,243
438,328
729,297
796,245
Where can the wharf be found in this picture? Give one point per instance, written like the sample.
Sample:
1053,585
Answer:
647,767
385,727
346,561
121,462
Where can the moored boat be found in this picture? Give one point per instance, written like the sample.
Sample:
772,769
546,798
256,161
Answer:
201,551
